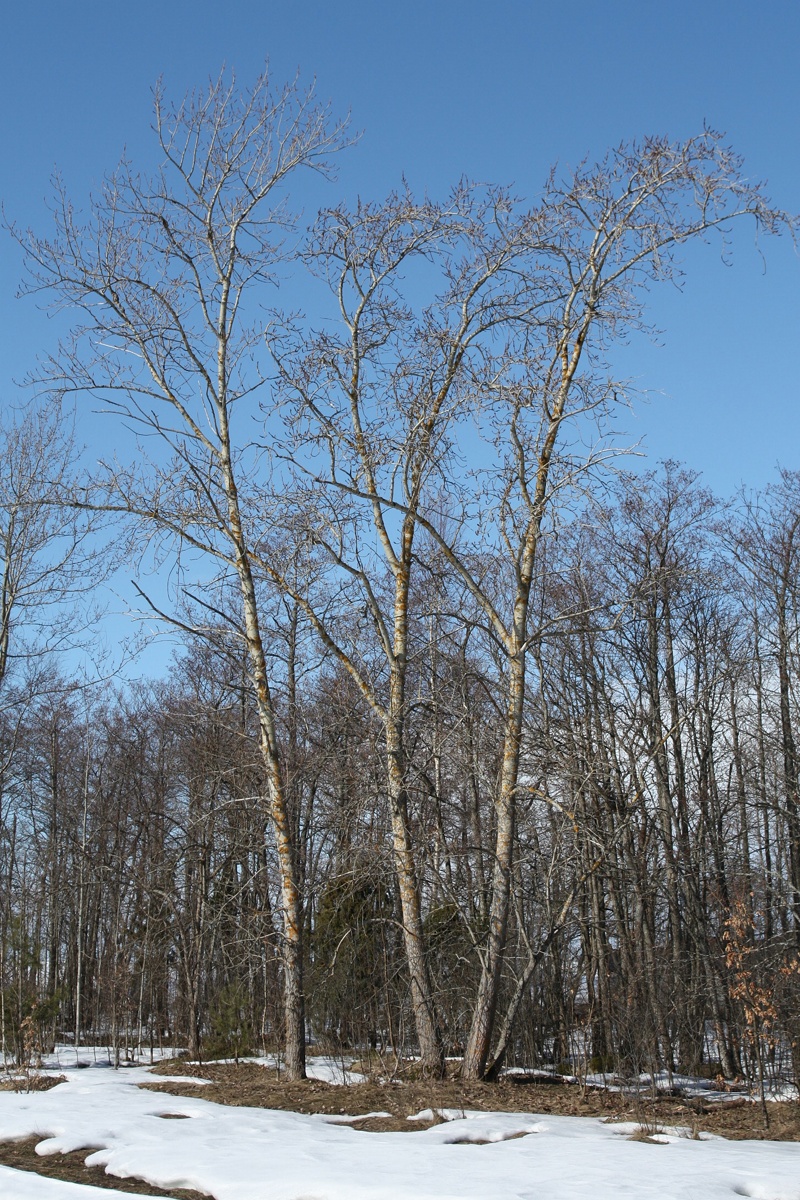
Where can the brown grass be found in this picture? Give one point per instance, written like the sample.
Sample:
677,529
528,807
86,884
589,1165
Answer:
260,1087
32,1083
251,1085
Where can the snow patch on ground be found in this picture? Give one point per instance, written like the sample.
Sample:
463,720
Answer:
319,1066
254,1154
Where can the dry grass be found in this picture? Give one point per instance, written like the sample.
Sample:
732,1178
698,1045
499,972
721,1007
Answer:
30,1083
251,1085
260,1087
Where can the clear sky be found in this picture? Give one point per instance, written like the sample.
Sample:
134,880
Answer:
496,90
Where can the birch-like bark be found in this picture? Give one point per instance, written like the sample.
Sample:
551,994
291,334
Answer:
517,641
291,899
162,276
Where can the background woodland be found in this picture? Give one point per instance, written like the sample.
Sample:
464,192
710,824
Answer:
476,744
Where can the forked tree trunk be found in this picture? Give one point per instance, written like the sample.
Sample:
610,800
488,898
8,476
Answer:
517,642
476,1054
422,1002
422,999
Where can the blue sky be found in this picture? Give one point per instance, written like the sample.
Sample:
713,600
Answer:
497,91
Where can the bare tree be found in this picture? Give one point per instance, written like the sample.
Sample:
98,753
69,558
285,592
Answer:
48,558
377,406
593,246
49,562
767,550
163,273
353,500
529,301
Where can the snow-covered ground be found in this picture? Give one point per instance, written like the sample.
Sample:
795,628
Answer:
261,1154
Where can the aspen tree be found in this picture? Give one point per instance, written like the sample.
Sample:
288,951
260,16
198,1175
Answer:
162,276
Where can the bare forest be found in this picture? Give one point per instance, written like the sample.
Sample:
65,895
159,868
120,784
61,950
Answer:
477,744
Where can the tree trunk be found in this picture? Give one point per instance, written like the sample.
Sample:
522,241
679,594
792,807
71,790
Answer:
291,898
478,1046
428,1034
422,1001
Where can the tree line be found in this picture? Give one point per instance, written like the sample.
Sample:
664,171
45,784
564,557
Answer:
478,745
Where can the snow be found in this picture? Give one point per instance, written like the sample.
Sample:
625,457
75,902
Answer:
328,1070
691,1086
263,1154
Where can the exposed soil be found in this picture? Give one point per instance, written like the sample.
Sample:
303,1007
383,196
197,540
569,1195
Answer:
72,1169
260,1087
